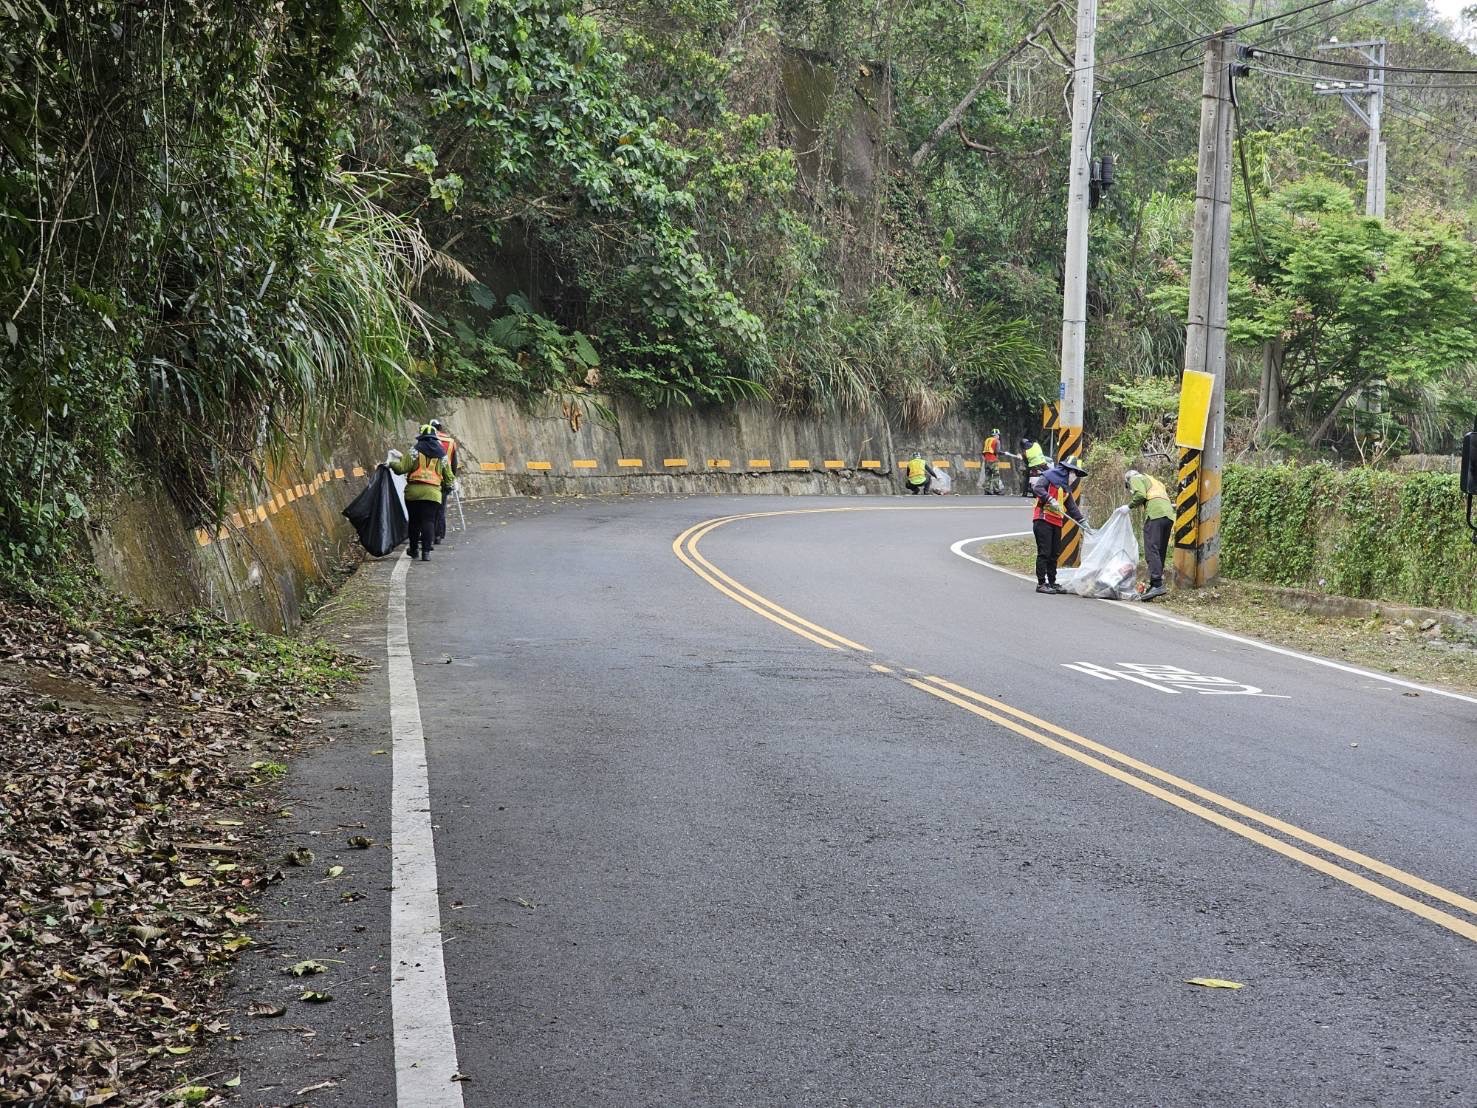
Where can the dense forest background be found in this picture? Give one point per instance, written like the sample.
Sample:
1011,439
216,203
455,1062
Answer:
224,225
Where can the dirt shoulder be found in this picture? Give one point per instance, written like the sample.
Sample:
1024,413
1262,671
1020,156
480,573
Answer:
1444,654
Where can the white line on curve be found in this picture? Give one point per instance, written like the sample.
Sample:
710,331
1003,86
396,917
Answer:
425,1046
1146,613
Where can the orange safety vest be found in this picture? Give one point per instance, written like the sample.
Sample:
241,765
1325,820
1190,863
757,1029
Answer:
448,444
991,449
425,472
1054,517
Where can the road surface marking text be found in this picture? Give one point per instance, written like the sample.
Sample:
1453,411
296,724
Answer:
1170,679
1145,611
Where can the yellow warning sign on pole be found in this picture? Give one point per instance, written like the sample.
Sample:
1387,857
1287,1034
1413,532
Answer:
1195,393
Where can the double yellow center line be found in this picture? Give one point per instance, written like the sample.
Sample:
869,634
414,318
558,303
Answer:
1265,830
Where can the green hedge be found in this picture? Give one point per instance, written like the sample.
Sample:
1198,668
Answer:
1400,537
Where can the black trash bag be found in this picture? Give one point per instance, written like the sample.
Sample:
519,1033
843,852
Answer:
378,515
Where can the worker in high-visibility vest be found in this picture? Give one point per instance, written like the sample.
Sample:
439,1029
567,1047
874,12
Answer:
1158,521
428,480
449,445
1033,461
919,475
990,464
1054,503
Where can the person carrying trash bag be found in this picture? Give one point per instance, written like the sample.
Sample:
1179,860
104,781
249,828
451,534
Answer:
448,444
920,474
378,513
428,480
1054,502
1158,522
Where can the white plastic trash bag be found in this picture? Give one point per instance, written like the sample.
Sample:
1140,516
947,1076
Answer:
943,484
1110,562
400,479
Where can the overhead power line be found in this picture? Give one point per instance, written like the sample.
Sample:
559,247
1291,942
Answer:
1237,29
1446,134
1363,66
1355,86
1283,32
1152,78
1299,11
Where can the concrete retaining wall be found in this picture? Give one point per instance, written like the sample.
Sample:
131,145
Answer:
283,539
604,446
259,566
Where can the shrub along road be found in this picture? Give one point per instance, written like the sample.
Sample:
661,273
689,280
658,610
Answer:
814,811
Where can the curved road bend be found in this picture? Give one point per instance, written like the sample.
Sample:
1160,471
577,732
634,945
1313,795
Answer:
707,855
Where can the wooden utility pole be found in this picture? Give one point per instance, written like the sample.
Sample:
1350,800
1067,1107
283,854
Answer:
1074,291
1198,518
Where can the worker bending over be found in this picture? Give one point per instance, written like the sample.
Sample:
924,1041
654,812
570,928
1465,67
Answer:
1158,520
1033,462
1054,502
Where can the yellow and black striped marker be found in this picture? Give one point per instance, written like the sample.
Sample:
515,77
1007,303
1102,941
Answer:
1051,423
1187,501
1070,442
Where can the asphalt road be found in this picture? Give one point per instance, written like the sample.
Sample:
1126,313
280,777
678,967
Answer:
693,848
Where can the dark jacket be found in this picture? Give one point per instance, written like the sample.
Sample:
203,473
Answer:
1057,476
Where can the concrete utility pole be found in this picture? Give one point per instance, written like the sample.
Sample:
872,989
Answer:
1198,501
1074,296
1373,51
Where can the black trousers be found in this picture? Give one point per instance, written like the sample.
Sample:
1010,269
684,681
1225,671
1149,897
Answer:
422,525
441,519
1156,546
1048,550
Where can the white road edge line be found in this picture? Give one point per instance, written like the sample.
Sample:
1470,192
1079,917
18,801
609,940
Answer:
1215,632
425,1045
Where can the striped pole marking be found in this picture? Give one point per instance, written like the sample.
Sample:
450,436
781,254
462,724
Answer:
1070,442
1187,501
1051,423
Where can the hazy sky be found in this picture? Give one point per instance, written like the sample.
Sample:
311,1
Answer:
1452,9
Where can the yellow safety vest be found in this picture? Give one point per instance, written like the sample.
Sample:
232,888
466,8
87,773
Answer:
1156,490
1035,456
917,470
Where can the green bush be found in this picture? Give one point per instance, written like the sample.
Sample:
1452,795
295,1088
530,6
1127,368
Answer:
1359,532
